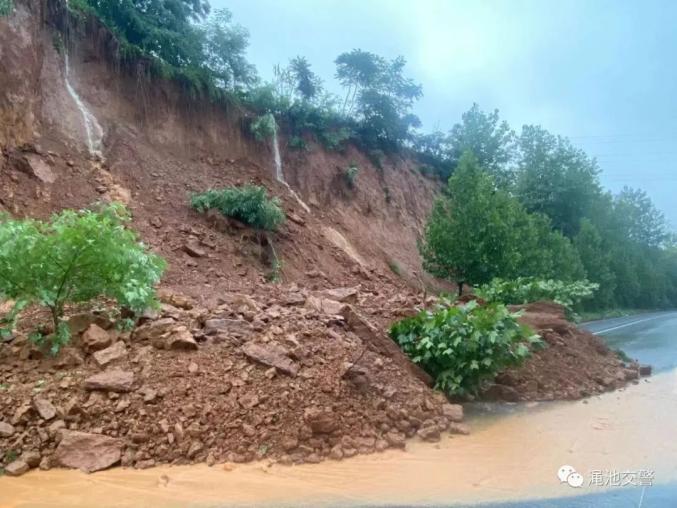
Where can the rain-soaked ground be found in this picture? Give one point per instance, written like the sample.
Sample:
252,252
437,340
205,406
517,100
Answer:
511,459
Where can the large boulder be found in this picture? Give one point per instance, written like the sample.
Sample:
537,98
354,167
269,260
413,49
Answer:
110,354
6,429
96,338
325,305
44,408
321,421
34,165
343,295
181,339
272,355
87,452
154,329
380,343
238,327
453,412
114,380
17,468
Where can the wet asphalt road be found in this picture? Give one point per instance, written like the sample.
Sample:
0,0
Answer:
647,338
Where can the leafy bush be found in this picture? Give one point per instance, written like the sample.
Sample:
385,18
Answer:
249,204
6,7
334,139
463,346
528,289
264,127
297,143
350,174
75,257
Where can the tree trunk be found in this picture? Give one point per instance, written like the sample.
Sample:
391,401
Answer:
460,288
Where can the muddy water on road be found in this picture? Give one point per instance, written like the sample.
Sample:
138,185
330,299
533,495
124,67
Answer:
507,457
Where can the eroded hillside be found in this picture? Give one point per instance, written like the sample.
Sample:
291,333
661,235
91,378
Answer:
232,367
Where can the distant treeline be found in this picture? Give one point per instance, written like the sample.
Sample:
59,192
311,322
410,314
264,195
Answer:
531,204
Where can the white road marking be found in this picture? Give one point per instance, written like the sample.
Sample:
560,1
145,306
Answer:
627,324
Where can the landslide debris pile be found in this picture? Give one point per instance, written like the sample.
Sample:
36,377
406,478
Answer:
295,376
574,364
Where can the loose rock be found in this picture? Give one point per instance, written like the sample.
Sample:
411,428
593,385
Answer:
110,354
321,421
6,429
272,355
453,412
16,468
87,452
115,380
96,338
44,408
181,340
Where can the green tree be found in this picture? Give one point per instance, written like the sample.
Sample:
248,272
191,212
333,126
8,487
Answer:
490,139
225,45
556,179
640,220
163,28
379,96
75,257
356,71
471,236
6,7
543,252
308,84
596,259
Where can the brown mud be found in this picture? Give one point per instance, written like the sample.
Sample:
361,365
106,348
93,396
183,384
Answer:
507,457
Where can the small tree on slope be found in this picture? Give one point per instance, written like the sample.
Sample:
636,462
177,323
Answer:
75,257
471,235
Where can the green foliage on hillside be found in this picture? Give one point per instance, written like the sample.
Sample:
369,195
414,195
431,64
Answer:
477,232
462,346
75,257
264,127
529,289
6,7
249,204
203,51
568,228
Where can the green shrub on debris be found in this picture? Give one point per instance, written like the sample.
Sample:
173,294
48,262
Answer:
529,289
75,257
462,346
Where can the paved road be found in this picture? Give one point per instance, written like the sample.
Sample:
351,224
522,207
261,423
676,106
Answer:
656,496
648,338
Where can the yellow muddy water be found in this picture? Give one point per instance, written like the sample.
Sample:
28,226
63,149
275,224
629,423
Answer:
507,457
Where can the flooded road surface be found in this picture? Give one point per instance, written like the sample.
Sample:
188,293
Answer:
510,456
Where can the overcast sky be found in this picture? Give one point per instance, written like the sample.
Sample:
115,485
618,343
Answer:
600,72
